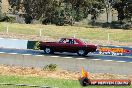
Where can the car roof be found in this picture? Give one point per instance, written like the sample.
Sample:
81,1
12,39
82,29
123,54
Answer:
73,38
70,38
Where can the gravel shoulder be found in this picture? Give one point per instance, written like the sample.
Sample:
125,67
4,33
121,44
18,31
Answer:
61,74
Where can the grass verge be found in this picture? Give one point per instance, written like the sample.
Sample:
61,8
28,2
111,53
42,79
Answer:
68,31
60,83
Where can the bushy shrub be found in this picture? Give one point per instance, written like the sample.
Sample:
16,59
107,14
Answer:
50,67
8,19
12,19
37,46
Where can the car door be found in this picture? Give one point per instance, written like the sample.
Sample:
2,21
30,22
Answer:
65,45
61,45
71,46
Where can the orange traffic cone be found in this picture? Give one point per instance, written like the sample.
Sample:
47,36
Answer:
84,74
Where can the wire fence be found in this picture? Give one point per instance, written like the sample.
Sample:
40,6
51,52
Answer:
115,38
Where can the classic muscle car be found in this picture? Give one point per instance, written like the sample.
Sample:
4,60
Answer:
72,45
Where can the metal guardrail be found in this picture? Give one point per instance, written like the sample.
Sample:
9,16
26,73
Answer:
13,43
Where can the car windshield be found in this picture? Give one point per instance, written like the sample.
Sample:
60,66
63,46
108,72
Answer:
61,40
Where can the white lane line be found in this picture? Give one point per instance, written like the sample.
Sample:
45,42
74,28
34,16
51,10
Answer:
108,60
54,56
95,59
121,61
2,38
67,57
80,58
27,54
2,52
111,55
14,39
13,53
39,55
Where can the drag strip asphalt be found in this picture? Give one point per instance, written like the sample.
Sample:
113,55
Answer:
68,55
72,62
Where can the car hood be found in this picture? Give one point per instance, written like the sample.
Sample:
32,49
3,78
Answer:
91,45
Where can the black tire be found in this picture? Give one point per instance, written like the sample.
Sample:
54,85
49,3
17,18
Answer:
85,81
48,50
82,52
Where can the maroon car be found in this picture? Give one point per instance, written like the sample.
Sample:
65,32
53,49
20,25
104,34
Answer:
72,45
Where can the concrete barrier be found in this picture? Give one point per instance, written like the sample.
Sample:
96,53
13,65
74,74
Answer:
13,43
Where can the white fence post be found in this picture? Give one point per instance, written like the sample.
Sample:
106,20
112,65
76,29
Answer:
40,32
7,29
108,38
74,35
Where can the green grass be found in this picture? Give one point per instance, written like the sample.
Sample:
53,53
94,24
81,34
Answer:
69,31
60,83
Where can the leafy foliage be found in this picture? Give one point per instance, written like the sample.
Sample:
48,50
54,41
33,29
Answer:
50,67
37,46
58,12
61,12
124,9
0,10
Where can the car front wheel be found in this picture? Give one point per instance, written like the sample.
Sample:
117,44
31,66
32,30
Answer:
82,52
48,50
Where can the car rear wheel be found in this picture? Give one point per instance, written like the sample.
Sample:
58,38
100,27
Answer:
82,52
48,50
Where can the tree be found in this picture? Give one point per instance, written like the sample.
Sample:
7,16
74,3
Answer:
0,9
58,11
128,11
124,9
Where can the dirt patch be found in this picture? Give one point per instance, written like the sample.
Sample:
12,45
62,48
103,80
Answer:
61,74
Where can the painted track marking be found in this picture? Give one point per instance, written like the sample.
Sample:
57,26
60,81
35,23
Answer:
121,61
13,53
39,55
2,52
54,56
80,58
27,54
108,60
64,57
95,59
67,57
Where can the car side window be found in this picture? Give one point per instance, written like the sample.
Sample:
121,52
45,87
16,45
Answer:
71,41
65,41
62,40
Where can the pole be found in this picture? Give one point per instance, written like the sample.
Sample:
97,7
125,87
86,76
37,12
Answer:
107,12
108,39
0,8
74,35
40,32
7,29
